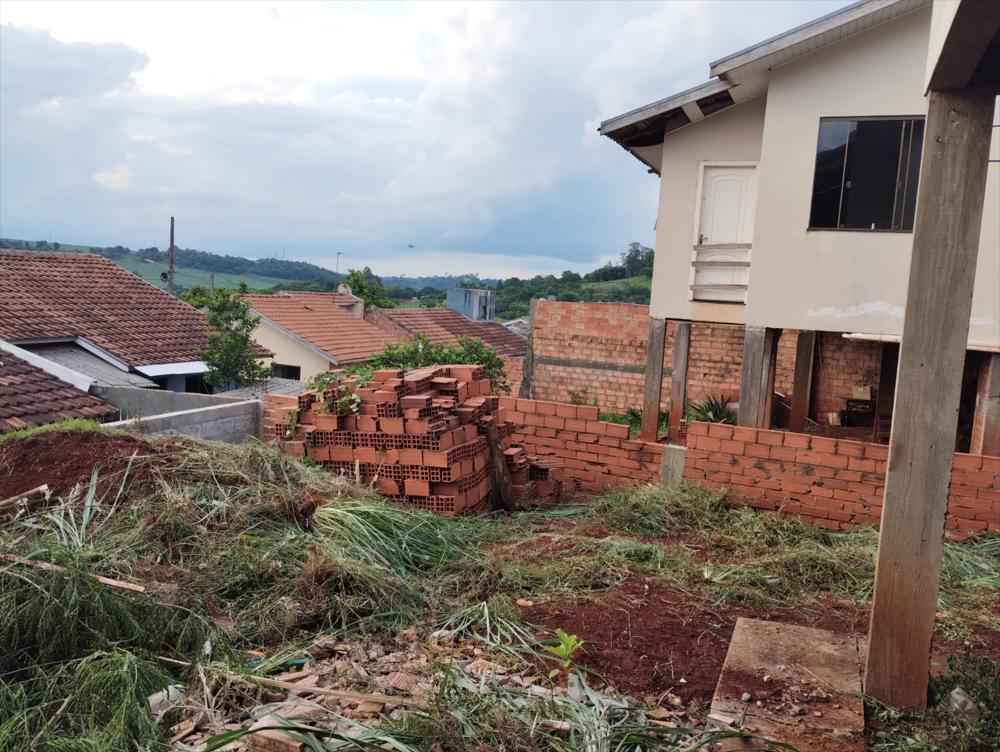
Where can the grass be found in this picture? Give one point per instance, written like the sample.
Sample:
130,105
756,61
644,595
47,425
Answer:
234,556
187,277
70,424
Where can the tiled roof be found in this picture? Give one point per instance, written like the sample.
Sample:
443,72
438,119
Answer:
31,397
79,295
322,320
443,325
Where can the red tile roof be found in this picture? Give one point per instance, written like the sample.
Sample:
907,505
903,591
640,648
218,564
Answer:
56,295
31,397
445,326
324,321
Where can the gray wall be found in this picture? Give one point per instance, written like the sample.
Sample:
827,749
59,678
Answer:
232,422
140,403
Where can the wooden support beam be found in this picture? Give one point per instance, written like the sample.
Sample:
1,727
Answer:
654,379
528,369
986,424
935,332
679,377
886,394
760,353
805,356
503,488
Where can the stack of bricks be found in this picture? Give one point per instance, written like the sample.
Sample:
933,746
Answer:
415,435
831,483
593,454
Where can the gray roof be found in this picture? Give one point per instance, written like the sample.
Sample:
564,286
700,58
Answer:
76,358
272,385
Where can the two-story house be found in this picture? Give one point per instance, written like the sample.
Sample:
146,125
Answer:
788,185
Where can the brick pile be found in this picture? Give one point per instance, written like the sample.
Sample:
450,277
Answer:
832,483
417,436
592,454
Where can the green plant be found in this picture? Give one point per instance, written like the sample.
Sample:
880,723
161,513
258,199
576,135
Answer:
420,352
230,354
712,409
565,649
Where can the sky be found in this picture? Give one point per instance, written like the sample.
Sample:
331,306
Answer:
415,138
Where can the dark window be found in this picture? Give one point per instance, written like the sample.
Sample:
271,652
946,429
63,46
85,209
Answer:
282,371
866,173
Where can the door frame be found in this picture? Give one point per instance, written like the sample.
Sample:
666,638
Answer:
701,187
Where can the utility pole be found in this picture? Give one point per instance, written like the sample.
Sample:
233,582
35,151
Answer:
339,254
172,268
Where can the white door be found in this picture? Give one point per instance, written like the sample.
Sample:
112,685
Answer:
728,201
721,270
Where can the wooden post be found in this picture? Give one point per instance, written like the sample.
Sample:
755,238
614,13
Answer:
528,370
503,488
760,353
886,395
935,333
805,356
986,424
679,377
654,379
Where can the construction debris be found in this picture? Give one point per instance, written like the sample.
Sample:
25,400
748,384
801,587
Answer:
421,437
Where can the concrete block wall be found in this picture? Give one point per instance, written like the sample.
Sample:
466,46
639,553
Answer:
831,483
232,422
595,455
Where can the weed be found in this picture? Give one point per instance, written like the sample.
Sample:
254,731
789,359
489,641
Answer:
712,409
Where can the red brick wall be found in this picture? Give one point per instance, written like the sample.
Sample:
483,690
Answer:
514,367
832,483
841,365
616,334
570,439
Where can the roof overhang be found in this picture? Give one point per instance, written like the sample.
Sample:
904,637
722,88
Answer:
807,38
81,381
965,46
642,130
81,342
186,368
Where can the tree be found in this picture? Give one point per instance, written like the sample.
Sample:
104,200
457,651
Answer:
367,286
230,352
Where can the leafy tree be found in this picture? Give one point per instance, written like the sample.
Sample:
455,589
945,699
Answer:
230,352
367,286
420,352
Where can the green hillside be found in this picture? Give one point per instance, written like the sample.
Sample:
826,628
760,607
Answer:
187,278
620,285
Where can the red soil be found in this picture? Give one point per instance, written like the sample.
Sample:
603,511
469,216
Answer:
64,458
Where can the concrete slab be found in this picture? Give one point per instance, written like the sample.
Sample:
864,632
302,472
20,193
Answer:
791,684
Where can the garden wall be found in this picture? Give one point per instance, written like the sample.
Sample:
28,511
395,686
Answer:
571,440
832,483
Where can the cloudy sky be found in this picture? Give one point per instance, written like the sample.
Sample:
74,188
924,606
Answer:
300,130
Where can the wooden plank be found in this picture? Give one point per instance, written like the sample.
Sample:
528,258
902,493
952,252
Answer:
805,357
528,370
50,567
760,352
987,419
679,377
503,488
654,379
935,332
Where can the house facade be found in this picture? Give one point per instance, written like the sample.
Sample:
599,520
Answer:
788,187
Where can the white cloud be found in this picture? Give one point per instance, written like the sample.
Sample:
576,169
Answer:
295,128
116,178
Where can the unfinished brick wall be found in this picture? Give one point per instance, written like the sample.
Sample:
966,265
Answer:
831,483
578,447
514,367
841,366
595,354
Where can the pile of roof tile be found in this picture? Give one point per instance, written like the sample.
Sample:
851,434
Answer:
420,437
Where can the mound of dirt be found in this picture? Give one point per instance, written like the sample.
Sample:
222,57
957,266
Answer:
64,458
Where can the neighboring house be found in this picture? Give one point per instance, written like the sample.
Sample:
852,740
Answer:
445,326
99,319
478,305
788,185
313,332
30,397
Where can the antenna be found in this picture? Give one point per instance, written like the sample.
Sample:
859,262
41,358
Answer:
171,270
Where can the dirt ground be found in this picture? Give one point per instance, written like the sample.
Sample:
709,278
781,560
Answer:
64,458
651,640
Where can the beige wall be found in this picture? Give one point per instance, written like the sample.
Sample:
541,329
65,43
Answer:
824,280
843,280
732,135
289,351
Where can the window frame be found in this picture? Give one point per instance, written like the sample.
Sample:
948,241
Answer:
900,169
